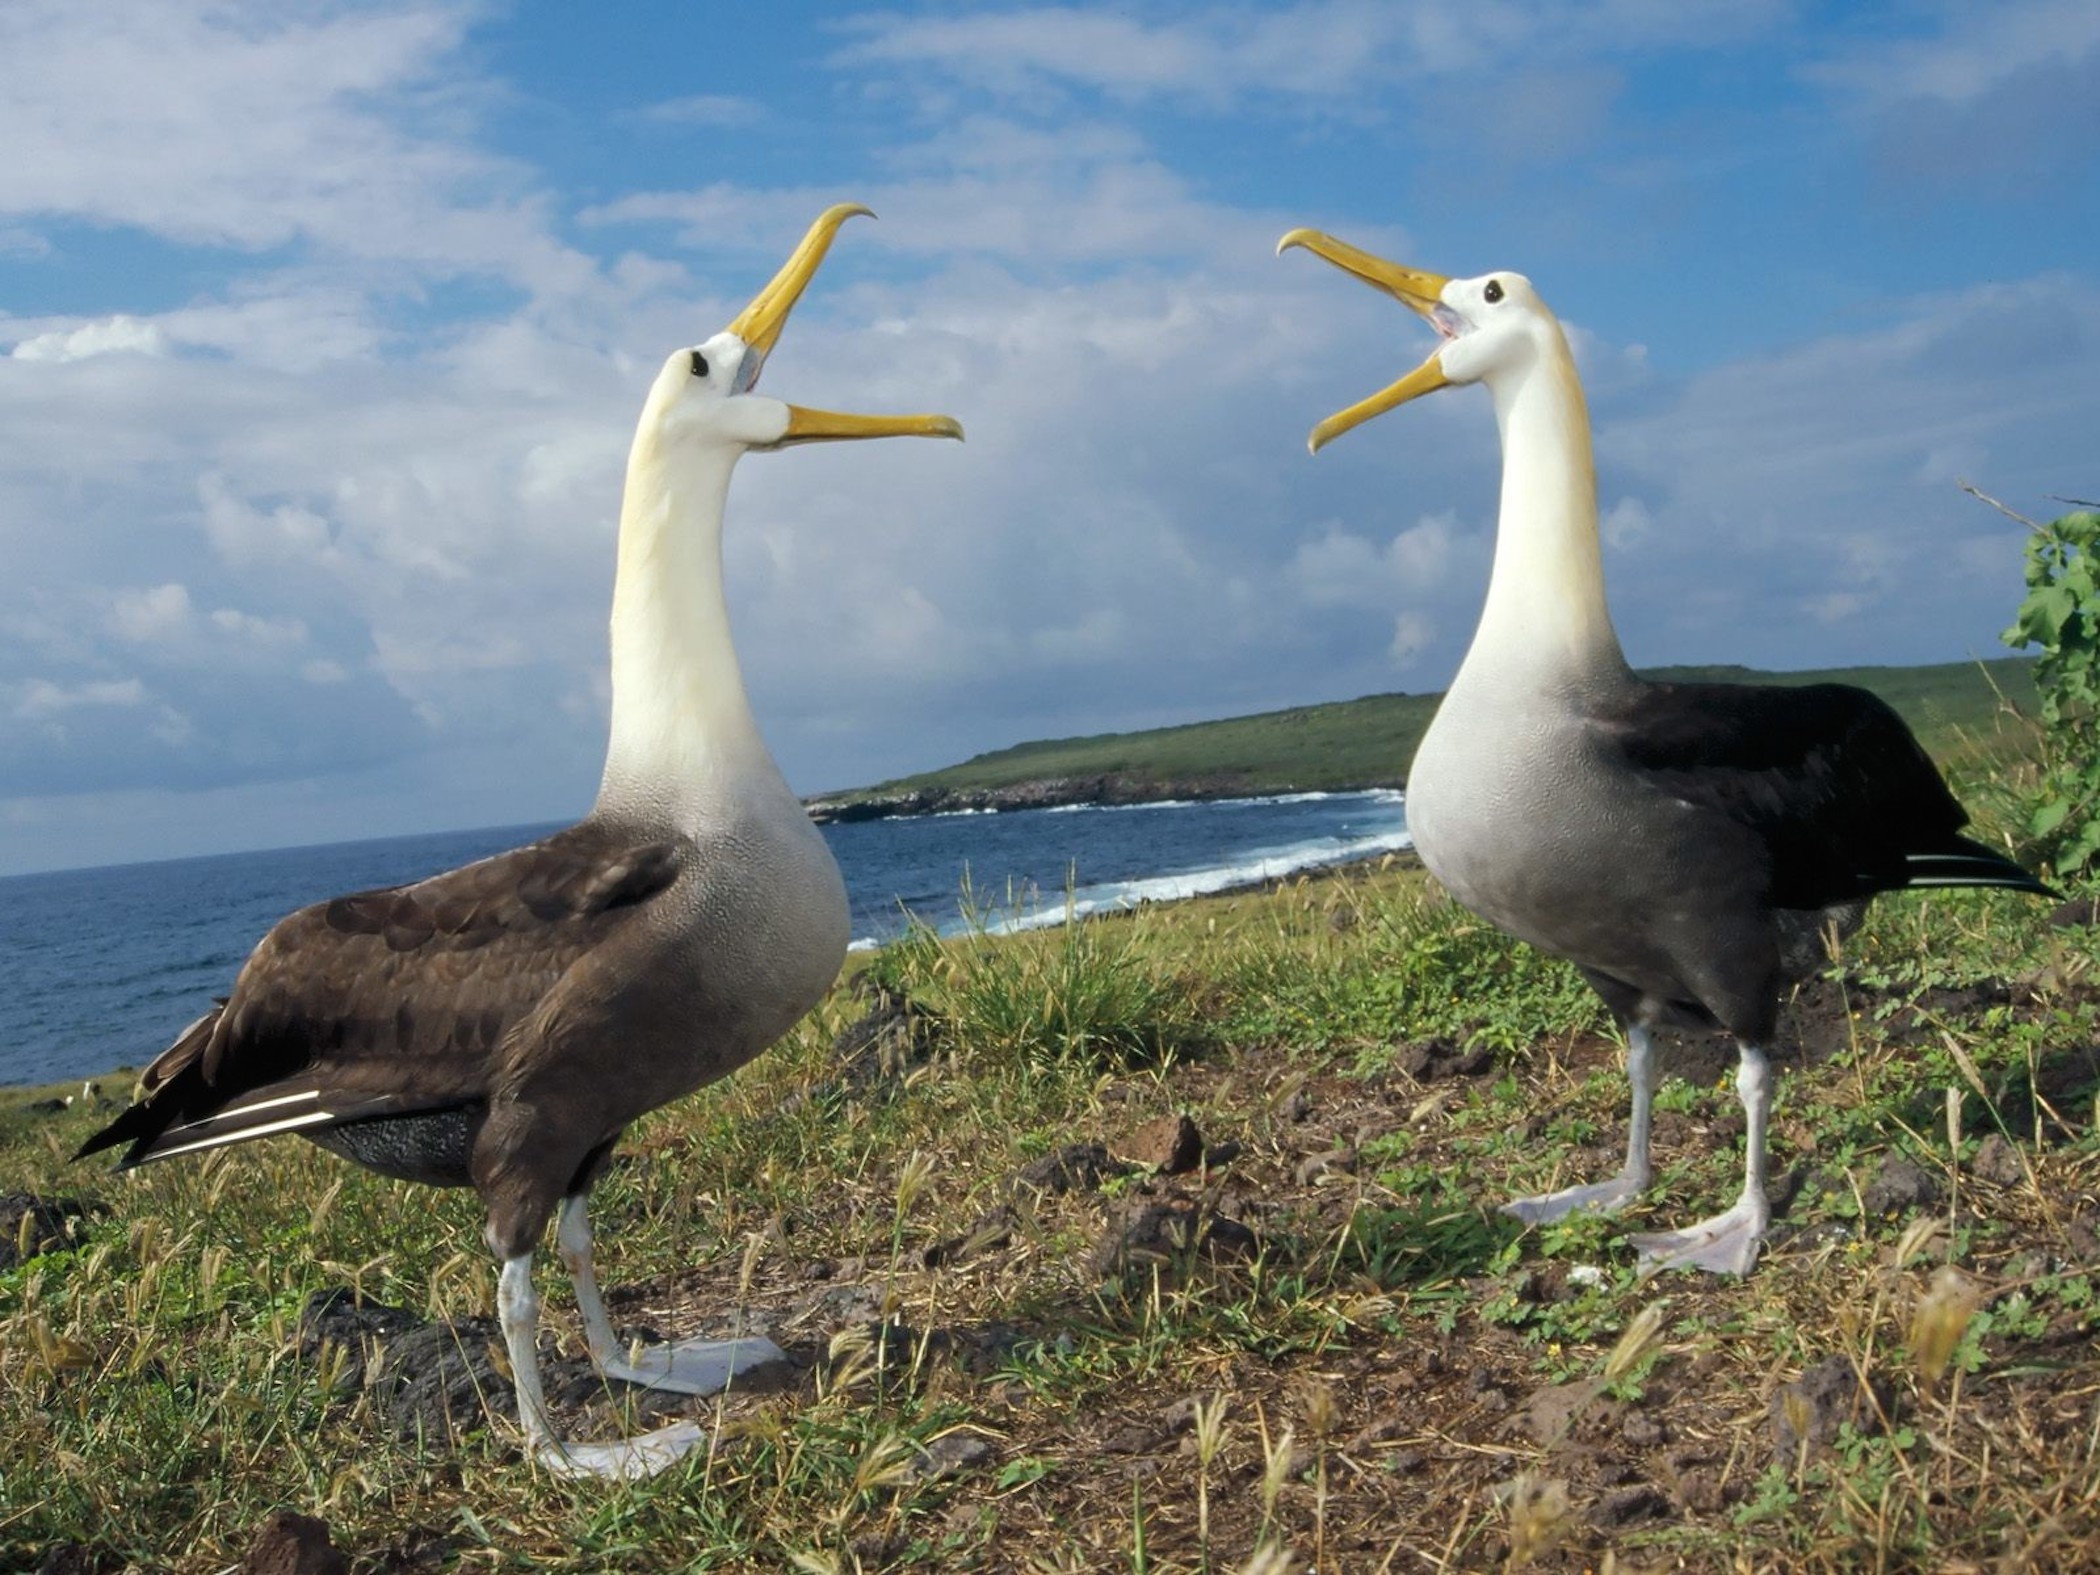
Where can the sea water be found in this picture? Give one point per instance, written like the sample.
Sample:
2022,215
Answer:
103,967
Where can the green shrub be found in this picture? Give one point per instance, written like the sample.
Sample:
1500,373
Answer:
2061,615
1081,988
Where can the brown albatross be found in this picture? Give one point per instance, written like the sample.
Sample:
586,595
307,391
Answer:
1686,846
499,1026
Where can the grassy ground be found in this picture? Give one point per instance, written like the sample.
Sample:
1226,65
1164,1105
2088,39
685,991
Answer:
1320,1347
1368,742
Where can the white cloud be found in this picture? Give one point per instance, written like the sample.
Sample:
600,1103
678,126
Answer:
145,617
1325,54
1807,476
1984,100
40,697
1344,570
270,634
1980,50
1625,523
112,335
258,126
1413,633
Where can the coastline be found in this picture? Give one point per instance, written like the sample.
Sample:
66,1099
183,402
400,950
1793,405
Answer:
1105,790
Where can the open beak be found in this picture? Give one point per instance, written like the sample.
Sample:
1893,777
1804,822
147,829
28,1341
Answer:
759,325
1419,292
824,426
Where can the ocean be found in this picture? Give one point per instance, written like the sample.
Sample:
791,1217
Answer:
80,1001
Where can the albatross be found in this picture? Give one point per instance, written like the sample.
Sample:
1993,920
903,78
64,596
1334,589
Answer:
1686,846
500,1025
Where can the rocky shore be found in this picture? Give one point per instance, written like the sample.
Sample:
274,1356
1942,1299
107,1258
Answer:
1052,792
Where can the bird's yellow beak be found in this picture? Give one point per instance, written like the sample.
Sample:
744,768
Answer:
1419,292
759,325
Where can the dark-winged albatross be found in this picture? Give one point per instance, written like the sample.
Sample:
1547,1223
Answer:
1684,845
500,1025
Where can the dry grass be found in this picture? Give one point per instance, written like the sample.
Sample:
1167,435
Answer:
1378,1373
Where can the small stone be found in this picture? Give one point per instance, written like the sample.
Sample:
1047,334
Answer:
1900,1184
1132,1439
954,1453
1170,1145
1626,1506
1699,1490
1642,1431
290,1544
1551,1413
1998,1162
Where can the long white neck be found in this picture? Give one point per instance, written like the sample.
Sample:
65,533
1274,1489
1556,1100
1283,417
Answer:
1545,622
682,730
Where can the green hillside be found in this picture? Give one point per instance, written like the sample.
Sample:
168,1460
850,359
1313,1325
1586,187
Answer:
1368,742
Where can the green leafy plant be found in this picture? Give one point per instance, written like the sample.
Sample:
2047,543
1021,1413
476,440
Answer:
2061,616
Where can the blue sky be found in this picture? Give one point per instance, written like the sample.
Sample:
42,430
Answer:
323,327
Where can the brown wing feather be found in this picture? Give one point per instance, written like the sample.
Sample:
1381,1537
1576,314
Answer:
394,1001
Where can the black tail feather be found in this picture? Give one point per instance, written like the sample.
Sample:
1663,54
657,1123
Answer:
139,1124
1966,863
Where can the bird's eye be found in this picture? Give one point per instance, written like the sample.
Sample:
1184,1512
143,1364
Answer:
699,364
1493,292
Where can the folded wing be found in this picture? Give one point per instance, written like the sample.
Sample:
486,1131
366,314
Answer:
392,1002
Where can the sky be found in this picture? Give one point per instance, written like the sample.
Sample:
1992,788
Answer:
323,329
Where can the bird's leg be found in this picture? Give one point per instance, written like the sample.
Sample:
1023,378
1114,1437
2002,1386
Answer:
572,1238
694,1367
1608,1197
1728,1243
518,1309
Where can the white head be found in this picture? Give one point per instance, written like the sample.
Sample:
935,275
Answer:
705,397
1495,328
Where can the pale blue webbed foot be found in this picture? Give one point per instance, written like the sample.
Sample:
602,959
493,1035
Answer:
1600,1197
692,1367
1726,1244
626,1459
